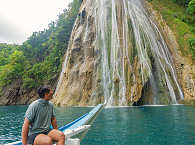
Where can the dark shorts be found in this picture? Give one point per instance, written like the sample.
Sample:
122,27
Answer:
32,137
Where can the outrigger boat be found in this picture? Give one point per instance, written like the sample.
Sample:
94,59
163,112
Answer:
75,127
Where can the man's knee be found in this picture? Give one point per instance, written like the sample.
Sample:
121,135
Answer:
49,141
43,140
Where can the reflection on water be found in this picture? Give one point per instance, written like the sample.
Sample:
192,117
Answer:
146,125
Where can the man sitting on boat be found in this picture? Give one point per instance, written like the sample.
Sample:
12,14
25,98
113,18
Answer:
38,119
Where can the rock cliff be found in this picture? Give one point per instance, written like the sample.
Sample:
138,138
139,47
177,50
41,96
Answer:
108,60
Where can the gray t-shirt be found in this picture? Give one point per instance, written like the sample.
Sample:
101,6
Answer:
39,113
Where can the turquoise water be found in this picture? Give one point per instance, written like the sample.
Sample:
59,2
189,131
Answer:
166,125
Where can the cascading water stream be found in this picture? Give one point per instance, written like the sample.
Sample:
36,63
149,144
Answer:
123,28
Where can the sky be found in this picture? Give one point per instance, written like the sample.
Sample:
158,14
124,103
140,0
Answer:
20,18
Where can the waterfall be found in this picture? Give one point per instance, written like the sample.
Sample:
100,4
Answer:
125,33
131,60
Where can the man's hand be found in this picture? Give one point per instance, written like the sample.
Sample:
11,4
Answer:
25,130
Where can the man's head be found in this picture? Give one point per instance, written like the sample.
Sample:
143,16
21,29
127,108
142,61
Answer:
45,93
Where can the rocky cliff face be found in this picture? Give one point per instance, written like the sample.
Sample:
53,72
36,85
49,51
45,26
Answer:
185,68
81,80
80,77
13,94
117,55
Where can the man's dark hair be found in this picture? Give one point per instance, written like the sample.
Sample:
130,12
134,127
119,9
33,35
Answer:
42,91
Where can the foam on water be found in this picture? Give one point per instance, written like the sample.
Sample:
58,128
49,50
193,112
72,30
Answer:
177,104
108,107
154,105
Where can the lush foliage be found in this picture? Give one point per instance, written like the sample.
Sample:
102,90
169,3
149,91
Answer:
182,2
191,7
179,15
38,60
12,64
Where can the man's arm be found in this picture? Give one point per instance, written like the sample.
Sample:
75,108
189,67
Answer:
54,123
25,129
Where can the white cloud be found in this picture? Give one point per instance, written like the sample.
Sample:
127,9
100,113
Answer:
20,18
9,32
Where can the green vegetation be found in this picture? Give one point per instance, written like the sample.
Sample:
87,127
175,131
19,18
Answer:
182,2
191,7
38,60
180,17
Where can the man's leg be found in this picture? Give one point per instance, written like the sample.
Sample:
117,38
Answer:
43,139
58,136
